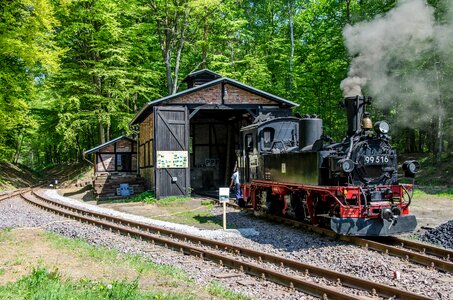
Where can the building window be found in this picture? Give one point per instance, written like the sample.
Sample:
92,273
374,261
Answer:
123,162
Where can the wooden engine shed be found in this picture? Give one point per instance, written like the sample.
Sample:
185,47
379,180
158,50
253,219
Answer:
188,141
115,163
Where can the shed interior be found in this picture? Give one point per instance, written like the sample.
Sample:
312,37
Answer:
213,142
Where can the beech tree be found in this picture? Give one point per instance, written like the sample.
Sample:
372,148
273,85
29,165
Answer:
28,53
104,72
179,23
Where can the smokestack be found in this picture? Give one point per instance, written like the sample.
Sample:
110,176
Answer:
355,107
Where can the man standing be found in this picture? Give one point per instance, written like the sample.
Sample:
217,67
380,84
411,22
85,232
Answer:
237,186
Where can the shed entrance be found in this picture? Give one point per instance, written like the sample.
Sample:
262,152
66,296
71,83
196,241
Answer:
214,139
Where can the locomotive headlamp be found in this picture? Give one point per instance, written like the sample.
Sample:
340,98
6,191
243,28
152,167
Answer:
346,165
382,127
410,168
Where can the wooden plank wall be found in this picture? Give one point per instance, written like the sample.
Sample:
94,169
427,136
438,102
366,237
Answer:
145,151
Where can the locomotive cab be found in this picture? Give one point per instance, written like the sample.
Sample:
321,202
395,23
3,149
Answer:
267,135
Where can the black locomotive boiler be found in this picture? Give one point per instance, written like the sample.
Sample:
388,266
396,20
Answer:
288,167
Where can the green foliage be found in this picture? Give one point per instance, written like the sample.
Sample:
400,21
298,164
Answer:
146,197
74,73
105,77
5,234
149,197
205,218
443,193
28,53
44,284
217,290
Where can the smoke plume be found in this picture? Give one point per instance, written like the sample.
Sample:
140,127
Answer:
396,58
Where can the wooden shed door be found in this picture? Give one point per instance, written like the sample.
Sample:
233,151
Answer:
171,146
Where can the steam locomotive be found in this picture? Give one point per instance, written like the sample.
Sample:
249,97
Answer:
289,167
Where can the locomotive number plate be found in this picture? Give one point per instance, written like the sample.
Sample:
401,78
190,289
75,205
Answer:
375,159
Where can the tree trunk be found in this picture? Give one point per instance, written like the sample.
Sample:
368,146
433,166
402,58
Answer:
410,141
101,133
19,148
440,121
107,135
348,11
291,57
439,137
168,73
204,51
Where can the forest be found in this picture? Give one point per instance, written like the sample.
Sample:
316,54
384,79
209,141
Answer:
73,73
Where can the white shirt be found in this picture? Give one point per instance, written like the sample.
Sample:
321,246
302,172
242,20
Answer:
235,177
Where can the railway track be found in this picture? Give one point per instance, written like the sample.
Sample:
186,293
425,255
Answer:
13,193
286,272
413,251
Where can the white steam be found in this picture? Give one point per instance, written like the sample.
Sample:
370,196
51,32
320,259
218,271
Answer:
352,86
397,57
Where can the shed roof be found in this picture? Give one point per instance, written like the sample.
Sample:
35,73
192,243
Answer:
97,148
147,108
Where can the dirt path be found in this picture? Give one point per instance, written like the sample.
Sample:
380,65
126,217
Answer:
431,211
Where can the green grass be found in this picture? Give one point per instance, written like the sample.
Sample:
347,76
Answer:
105,255
447,193
149,197
194,217
217,290
5,234
429,191
44,284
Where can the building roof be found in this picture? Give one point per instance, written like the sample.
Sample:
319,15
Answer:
97,148
202,72
147,108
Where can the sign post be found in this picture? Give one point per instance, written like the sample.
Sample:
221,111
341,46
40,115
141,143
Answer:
224,198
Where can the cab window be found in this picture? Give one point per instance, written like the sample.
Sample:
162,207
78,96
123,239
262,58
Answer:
249,142
267,138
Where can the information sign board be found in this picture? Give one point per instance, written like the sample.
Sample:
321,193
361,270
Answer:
224,194
172,159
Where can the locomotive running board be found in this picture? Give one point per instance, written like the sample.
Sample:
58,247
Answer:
373,227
